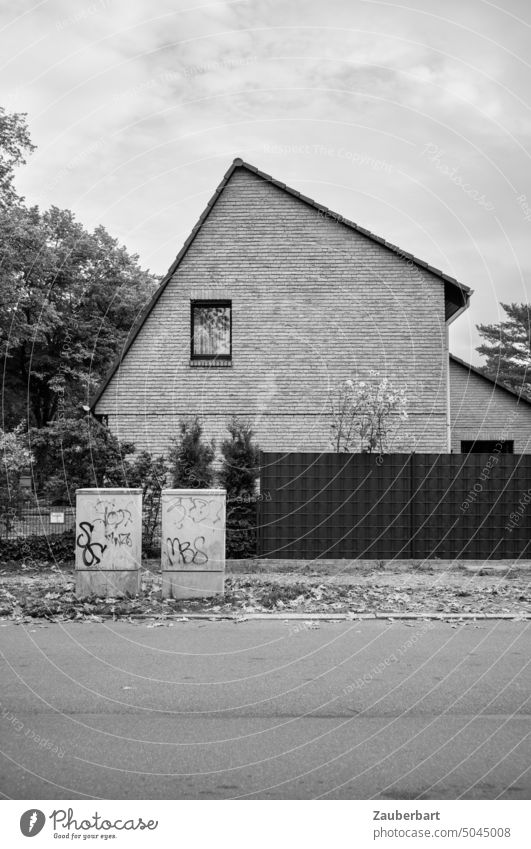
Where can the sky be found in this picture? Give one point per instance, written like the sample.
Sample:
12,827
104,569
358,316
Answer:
410,118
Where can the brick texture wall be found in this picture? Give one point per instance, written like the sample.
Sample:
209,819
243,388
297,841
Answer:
313,302
479,410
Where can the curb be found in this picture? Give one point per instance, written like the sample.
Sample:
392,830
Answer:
320,617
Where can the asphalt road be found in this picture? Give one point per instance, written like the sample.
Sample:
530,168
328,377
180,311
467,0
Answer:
210,710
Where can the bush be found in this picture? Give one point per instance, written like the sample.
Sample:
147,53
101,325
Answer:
191,458
15,458
58,548
238,477
74,453
366,415
240,460
150,473
241,529
12,503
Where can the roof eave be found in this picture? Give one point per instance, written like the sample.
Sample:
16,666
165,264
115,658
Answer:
465,290
164,282
496,383
460,292
456,300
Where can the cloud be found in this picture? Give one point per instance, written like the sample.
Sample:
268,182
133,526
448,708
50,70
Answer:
138,108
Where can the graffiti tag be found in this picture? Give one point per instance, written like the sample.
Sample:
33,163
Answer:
191,507
87,546
119,539
185,552
113,519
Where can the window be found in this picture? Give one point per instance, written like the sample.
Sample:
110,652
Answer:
487,446
211,330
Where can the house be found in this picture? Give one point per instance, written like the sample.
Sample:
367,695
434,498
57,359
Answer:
271,302
485,413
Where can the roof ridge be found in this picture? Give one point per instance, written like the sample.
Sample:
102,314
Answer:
465,291
240,163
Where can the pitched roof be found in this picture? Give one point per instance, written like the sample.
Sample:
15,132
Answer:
456,294
491,380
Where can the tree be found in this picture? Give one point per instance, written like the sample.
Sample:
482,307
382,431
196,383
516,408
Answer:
366,415
15,144
239,468
190,457
150,473
70,298
507,347
15,458
71,454
238,475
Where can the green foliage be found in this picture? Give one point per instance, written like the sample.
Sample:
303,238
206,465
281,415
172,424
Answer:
14,451
366,415
238,476
240,459
15,458
70,298
57,548
241,529
190,457
150,473
15,143
507,347
75,453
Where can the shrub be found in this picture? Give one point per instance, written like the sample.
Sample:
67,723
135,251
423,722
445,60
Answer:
74,453
150,473
58,548
366,415
190,457
239,468
15,457
238,476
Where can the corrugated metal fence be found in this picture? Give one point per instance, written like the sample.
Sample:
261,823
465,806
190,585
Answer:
396,506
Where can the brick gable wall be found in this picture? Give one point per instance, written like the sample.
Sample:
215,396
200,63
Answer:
482,411
313,303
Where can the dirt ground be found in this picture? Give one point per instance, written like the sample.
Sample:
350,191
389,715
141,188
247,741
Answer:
351,587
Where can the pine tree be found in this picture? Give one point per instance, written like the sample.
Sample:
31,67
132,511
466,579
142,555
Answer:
190,457
240,460
238,475
507,348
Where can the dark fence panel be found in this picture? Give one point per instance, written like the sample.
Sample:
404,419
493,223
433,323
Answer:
395,506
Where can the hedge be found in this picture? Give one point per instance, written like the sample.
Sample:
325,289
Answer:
241,529
55,547
59,548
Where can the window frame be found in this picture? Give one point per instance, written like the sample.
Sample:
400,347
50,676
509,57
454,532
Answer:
209,302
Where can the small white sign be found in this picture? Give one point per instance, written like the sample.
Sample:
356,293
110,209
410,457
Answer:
57,518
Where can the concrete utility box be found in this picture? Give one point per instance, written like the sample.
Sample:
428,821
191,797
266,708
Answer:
108,541
193,542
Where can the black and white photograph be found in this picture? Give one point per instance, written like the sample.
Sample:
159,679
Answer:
265,494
